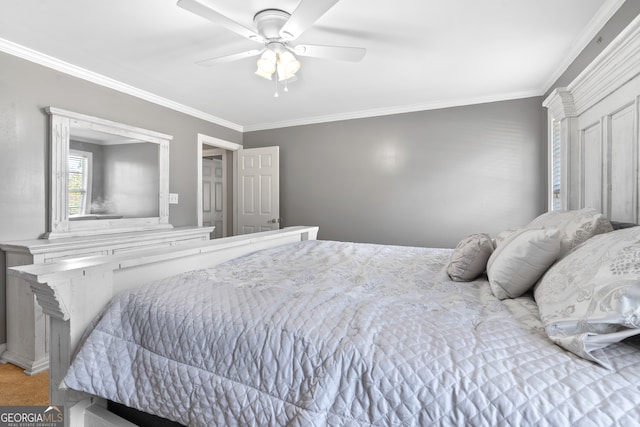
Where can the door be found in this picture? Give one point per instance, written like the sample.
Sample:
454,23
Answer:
258,189
212,195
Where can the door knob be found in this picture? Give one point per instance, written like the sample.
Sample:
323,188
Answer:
275,220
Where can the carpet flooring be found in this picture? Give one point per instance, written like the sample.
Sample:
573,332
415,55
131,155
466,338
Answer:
18,389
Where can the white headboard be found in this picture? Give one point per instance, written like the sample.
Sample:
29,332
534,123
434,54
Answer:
596,120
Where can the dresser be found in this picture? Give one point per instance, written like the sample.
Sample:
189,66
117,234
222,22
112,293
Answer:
27,344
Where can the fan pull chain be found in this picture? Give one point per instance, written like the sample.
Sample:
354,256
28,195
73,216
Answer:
276,79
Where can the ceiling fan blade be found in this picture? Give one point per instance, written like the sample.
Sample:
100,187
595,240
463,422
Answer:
307,12
340,53
204,9
229,58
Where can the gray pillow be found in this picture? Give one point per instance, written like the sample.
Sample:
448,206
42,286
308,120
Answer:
519,261
469,258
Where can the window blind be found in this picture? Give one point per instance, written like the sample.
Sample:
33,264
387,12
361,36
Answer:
77,184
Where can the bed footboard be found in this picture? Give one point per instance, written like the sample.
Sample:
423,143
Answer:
73,292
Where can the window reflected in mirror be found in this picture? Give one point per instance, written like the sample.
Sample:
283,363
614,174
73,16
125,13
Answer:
112,178
80,168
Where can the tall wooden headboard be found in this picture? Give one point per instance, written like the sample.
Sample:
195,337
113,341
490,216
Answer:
596,120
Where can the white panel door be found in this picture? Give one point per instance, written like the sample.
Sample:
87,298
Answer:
207,192
212,196
218,199
258,189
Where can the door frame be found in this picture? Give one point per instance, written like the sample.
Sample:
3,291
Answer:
222,157
225,145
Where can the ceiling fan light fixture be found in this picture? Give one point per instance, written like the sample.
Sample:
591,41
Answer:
287,74
261,73
290,65
267,64
275,29
283,76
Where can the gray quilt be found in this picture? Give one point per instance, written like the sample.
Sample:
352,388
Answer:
323,333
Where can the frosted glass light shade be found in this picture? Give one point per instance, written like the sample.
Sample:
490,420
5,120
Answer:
267,64
289,63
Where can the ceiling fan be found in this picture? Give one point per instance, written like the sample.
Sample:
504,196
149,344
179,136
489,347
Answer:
275,29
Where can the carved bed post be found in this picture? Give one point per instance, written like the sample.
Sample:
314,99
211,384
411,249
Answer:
66,326
562,111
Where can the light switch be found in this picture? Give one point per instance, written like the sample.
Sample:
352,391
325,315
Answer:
173,198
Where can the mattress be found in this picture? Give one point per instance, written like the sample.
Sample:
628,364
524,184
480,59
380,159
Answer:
323,333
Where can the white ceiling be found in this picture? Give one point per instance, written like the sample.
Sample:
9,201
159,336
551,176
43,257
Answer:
421,54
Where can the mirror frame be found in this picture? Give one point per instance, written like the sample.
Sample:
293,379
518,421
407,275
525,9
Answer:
61,123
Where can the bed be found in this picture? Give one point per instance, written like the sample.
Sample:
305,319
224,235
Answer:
535,326
304,332
319,333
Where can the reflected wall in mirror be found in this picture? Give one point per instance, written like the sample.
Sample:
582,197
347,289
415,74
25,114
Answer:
112,178
105,176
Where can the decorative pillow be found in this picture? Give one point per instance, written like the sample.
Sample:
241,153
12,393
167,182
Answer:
591,298
469,258
504,235
519,261
575,226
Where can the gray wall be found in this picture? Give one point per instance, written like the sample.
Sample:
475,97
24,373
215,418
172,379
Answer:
132,179
25,89
426,178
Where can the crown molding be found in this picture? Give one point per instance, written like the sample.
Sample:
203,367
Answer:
50,62
616,65
560,104
387,111
32,55
606,11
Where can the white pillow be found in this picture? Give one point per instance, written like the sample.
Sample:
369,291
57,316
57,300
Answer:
504,235
591,298
575,226
519,261
469,258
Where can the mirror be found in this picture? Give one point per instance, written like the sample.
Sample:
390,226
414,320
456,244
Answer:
111,178
106,177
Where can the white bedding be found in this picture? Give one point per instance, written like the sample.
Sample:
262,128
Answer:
323,333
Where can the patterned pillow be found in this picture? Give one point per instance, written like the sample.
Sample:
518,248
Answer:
575,226
520,260
469,258
591,298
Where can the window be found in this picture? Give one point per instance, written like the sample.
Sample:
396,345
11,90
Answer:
556,166
80,165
